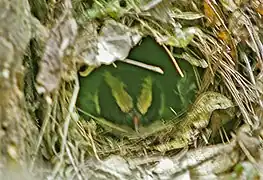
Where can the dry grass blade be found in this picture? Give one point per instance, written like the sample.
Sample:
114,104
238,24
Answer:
230,84
174,61
41,134
230,50
66,127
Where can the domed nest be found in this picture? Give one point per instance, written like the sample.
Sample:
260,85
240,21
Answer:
133,89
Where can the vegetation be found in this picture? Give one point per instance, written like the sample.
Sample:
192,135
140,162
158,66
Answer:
130,89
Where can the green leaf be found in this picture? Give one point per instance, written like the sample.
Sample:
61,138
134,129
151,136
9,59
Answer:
192,60
144,100
123,99
182,37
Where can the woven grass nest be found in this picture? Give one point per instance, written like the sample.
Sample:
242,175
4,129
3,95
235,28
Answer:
200,120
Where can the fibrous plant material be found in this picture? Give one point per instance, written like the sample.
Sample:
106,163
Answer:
223,37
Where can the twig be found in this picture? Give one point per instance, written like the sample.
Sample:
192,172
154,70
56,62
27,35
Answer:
174,61
46,120
93,146
250,72
73,163
66,126
249,156
143,65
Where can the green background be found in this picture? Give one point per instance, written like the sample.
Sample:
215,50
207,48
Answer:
177,92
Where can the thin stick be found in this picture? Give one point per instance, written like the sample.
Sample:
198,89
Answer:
77,171
143,65
114,65
70,111
93,146
175,113
41,135
249,156
66,126
174,61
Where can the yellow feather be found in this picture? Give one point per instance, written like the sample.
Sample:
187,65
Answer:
123,99
144,100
